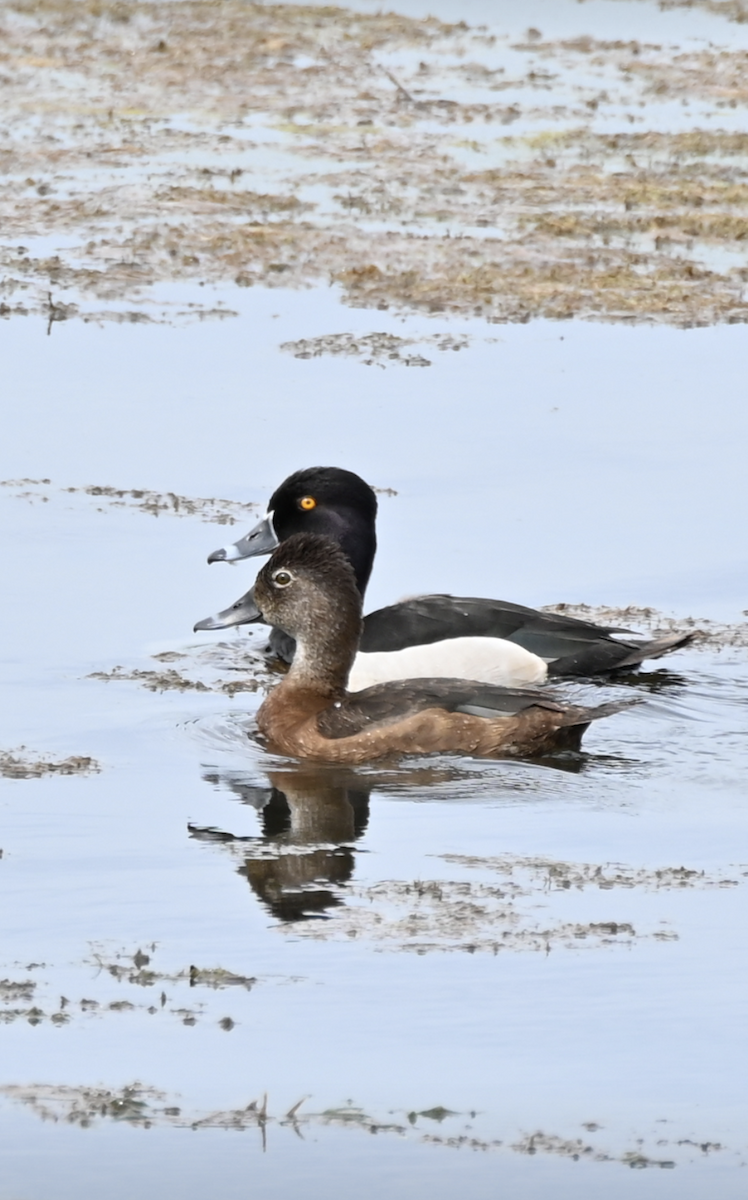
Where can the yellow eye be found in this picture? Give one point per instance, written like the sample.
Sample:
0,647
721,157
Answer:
307,503
282,578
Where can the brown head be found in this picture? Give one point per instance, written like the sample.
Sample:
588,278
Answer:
308,589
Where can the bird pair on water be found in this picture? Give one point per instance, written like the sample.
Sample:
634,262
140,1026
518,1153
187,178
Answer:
435,673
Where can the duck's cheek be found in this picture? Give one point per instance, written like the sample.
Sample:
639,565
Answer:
323,521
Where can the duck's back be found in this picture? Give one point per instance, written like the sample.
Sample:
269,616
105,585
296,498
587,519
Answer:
420,620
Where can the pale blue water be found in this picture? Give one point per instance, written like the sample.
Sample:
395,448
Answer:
604,466
543,463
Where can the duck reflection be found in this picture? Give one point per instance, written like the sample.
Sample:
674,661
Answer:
657,681
311,817
310,820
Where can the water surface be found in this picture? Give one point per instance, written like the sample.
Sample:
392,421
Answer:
442,976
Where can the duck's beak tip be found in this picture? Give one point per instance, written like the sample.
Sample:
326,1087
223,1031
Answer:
206,623
244,612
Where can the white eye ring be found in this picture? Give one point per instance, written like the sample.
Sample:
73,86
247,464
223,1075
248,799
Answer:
282,578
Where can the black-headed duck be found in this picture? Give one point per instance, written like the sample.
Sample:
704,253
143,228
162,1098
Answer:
462,637
308,589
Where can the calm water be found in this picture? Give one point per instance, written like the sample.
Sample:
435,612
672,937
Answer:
604,466
473,978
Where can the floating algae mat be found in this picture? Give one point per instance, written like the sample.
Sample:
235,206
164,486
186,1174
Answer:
420,163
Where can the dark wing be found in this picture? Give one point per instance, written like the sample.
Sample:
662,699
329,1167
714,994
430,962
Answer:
422,620
389,702
570,646
597,657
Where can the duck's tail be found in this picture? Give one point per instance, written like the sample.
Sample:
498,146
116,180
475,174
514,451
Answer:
576,720
547,731
608,655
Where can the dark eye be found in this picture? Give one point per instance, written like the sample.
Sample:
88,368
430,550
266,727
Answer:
307,503
282,578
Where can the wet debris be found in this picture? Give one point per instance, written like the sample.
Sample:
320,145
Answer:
350,1116
451,915
137,969
155,504
153,681
86,1006
399,181
121,1006
448,916
145,986
85,1107
521,875
373,349
171,680
32,1016
708,634
149,1107
704,1147
22,763
229,667
438,1114
11,991
138,1104
731,10
576,1149
217,977
218,512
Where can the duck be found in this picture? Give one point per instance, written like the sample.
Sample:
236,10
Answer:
308,589
494,641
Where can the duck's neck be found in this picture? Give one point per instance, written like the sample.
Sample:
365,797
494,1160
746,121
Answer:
320,668
325,652
358,541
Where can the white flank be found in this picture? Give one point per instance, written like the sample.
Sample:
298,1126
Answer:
485,659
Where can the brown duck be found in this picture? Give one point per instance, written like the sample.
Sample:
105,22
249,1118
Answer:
308,589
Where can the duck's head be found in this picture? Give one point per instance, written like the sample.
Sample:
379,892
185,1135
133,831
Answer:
328,501
308,589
